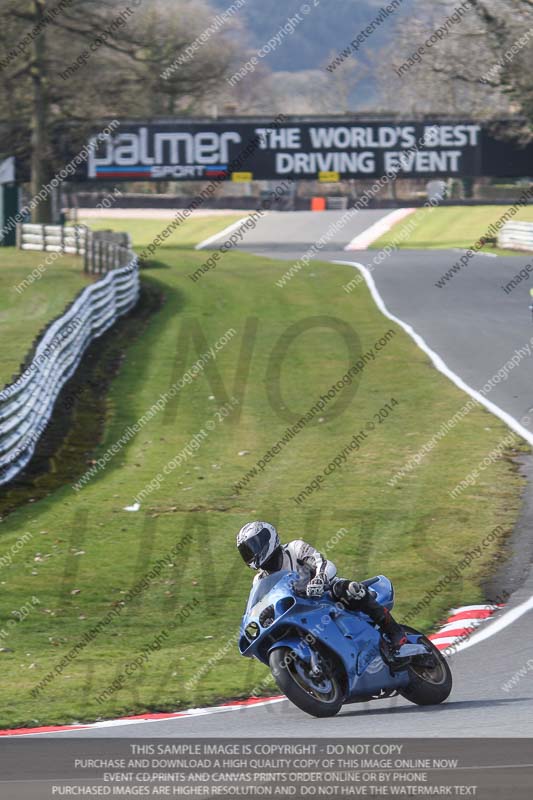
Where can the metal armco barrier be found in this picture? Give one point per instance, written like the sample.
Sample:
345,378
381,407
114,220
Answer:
26,405
516,236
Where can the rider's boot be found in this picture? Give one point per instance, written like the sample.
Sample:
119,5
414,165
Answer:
393,630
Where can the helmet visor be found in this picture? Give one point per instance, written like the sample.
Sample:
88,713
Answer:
255,550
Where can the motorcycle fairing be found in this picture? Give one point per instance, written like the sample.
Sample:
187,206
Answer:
350,636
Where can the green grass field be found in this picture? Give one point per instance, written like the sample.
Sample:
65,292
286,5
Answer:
25,312
454,226
188,234
69,560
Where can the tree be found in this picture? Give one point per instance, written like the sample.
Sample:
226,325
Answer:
465,71
68,63
509,28
176,78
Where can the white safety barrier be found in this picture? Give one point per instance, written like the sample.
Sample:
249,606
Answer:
58,238
516,236
26,405
102,250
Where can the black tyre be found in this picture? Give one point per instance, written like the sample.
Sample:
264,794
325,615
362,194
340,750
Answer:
319,697
429,684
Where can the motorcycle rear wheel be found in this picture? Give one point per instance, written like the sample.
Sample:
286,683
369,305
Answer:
319,698
428,686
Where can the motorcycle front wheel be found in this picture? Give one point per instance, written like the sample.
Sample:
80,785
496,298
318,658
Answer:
317,695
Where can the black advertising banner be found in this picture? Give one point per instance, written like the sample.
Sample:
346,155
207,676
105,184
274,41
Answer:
322,150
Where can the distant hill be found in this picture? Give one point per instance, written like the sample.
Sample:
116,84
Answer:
327,29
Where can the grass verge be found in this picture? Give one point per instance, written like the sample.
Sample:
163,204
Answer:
164,588
453,226
188,233
24,313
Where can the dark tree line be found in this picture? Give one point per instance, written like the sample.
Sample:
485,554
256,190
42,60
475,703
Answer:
64,64
67,64
482,66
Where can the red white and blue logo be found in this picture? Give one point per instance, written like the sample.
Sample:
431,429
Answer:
170,172
124,173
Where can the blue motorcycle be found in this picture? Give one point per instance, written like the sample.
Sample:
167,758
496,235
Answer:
323,656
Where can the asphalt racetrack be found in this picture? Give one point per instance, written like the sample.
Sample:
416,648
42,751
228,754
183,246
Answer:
476,328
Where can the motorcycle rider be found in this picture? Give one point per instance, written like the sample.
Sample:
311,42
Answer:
260,547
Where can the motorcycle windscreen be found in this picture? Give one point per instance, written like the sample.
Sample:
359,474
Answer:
264,586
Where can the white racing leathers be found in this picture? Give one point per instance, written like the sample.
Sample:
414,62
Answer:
300,557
